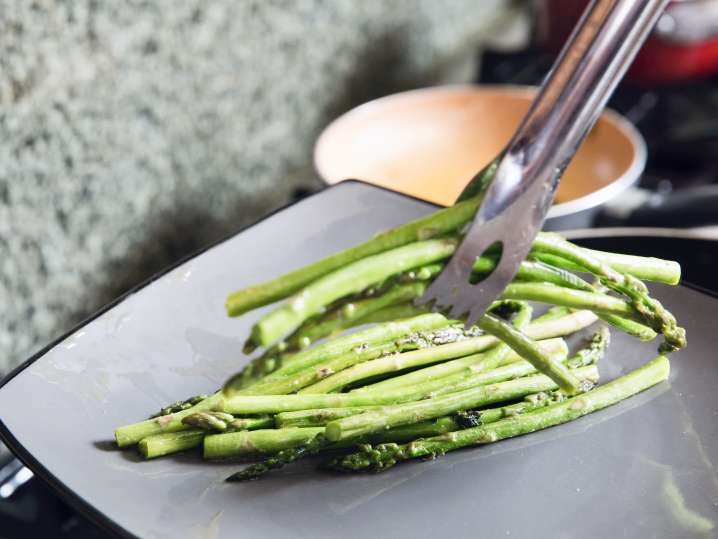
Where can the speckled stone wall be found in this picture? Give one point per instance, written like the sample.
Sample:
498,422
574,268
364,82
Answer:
134,132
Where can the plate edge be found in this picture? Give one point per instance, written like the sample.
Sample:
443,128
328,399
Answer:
17,449
74,499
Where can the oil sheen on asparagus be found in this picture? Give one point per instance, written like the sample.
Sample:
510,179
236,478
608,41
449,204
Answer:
346,365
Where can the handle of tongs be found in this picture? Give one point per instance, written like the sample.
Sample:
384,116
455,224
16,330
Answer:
571,98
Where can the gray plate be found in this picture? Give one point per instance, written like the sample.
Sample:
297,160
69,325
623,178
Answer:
643,468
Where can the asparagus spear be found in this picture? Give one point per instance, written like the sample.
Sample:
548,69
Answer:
350,313
428,388
653,313
317,417
436,224
416,358
384,456
180,405
574,299
131,434
406,433
264,442
258,442
260,404
396,361
380,334
282,458
469,378
221,421
288,450
321,416
558,246
273,358
535,271
271,441
540,272
299,380
649,310
369,422
159,445
434,427
629,316
641,267
540,328
350,279
528,349
359,275
362,340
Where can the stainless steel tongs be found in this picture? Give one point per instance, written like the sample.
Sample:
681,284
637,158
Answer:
526,174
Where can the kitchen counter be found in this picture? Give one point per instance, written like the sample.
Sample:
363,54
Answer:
134,134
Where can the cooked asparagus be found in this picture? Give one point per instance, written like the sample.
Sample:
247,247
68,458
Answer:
426,380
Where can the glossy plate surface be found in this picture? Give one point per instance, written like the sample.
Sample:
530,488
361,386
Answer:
643,468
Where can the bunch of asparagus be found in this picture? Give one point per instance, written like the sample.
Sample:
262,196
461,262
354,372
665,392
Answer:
411,383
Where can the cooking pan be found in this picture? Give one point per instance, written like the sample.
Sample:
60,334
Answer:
428,143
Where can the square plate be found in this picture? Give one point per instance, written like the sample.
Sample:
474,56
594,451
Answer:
645,467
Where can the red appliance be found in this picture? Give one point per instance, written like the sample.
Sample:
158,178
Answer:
683,46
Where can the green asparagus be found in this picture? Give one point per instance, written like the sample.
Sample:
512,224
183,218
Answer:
167,443
417,358
257,442
350,279
415,383
433,225
538,329
527,348
384,456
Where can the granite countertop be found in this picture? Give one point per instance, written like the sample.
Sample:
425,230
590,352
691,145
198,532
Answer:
135,133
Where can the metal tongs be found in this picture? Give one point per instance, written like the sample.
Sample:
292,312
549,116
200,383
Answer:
524,177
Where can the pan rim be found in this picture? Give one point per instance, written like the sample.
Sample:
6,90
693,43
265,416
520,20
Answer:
574,206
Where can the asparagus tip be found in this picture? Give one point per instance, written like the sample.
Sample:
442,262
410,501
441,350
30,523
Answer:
214,421
368,458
